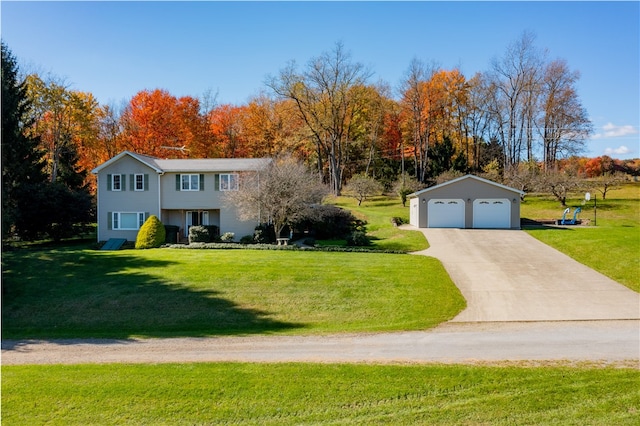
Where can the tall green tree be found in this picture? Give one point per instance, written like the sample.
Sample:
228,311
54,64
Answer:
22,160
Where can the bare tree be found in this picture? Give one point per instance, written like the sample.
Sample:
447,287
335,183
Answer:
608,182
327,103
475,115
277,194
406,185
559,184
362,187
517,77
564,124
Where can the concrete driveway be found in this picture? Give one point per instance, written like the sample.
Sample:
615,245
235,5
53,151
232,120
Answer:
508,275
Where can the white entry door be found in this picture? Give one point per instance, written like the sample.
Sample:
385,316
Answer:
492,213
445,213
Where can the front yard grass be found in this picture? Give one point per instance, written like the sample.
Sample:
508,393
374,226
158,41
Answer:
378,212
612,247
284,394
74,292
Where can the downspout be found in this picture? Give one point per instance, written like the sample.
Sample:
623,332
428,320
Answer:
160,196
98,207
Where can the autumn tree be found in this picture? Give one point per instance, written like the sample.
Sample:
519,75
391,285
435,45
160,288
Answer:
65,120
110,133
406,184
226,124
417,104
157,123
277,194
326,102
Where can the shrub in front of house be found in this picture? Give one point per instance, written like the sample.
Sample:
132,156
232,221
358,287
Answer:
152,234
264,234
228,237
327,221
199,234
214,232
358,239
247,239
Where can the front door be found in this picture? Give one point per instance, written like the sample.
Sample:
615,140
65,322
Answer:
195,218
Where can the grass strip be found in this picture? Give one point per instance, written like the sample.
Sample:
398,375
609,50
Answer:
280,394
378,212
612,247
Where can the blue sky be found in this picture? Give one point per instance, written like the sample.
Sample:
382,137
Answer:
115,49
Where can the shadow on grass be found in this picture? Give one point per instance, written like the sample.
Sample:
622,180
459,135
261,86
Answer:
73,293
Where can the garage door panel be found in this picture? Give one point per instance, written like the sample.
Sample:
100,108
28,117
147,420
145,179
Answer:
446,213
492,213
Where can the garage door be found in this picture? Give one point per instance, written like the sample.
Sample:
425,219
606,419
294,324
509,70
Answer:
491,213
445,213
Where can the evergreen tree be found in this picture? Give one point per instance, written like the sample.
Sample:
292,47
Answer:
69,172
442,159
22,160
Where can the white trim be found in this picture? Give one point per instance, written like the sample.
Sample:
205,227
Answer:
191,187
116,219
138,157
159,197
232,184
113,182
135,182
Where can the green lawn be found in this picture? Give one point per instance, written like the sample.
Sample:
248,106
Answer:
284,394
75,292
612,247
78,292
378,213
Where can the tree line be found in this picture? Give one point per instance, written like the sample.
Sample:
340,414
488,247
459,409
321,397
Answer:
525,109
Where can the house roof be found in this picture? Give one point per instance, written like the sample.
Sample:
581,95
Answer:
190,165
212,164
465,177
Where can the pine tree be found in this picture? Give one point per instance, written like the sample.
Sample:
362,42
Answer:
22,160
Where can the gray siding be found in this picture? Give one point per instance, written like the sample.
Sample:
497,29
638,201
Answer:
161,196
210,198
468,190
126,200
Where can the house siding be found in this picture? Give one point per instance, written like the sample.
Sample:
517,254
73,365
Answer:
163,197
125,200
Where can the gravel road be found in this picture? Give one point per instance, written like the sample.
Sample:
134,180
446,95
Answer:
597,342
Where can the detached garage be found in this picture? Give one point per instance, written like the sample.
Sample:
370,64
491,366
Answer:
466,202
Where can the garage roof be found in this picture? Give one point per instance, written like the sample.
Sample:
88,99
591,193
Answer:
451,182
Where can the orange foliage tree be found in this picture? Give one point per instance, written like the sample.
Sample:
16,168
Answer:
226,125
158,124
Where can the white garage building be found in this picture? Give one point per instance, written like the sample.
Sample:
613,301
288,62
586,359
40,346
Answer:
466,202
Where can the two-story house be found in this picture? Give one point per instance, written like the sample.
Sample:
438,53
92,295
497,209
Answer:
131,187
